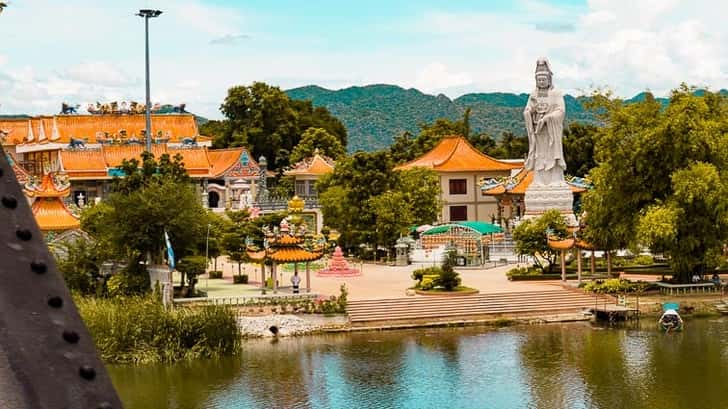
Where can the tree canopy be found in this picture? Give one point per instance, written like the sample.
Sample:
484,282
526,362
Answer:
661,179
368,202
317,139
531,238
151,199
263,118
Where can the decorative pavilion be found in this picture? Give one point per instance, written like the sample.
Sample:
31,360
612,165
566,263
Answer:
572,243
509,192
469,239
459,167
281,246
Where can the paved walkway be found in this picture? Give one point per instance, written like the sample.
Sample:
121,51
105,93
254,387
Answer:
376,281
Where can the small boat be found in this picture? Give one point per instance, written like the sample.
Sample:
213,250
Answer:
670,320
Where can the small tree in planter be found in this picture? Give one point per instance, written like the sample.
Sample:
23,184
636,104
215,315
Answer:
448,278
191,267
240,279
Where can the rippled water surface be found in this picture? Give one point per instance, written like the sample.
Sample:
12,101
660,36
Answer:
550,366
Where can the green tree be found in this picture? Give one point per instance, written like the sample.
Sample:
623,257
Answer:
579,148
80,266
263,118
510,146
448,277
153,197
531,238
643,146
386,202
317,139
190,267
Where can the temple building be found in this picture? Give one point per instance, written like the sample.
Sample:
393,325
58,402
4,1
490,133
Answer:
509,193
305,175
84,152
460,168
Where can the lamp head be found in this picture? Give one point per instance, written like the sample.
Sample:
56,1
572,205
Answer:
148,13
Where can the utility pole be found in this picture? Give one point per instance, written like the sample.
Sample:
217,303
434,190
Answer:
147,14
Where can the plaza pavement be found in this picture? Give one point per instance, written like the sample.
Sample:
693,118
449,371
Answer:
377,281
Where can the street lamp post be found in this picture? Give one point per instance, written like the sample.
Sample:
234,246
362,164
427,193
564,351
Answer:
147,14
207,259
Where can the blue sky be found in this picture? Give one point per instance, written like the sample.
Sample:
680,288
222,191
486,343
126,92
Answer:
83,51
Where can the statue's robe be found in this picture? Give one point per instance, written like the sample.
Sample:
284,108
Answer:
545,149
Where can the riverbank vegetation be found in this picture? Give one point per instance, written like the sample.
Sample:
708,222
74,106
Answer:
140,330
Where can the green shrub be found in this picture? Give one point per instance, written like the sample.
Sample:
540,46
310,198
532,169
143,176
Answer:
133,280
643,260
215,274
615,286
524,271
139,330
418,274
240,279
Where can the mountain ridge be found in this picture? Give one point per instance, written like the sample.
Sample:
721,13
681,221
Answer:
374,114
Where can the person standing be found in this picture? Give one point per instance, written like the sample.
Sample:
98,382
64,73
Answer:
296,281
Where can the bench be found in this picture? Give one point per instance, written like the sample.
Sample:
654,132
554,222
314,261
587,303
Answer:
689,289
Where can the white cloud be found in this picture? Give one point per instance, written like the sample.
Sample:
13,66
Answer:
436,76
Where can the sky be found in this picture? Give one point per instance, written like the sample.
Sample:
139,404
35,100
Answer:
82,51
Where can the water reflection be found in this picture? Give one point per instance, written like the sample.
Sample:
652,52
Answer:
551,366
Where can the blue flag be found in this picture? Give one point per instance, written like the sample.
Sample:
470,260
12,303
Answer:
170,252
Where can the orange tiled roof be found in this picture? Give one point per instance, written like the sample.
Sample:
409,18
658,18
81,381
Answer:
287,240
47,188
61,128
566,244
456,154
16,128
256,255
115,155
293,254
196,161
52,214
313,166
199,161
223,159
560,244
84,163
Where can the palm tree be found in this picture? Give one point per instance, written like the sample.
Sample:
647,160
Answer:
2,6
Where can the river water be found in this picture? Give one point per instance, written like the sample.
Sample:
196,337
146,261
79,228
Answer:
574,365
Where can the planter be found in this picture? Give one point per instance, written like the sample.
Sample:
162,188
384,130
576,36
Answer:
441,293
215,274
243,279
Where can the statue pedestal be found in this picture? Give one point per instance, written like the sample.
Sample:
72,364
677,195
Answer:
540,198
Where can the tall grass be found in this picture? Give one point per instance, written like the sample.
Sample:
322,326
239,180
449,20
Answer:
139,330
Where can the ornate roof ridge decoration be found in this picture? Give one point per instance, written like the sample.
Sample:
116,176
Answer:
455,154
53,184
518,183
313,165
176,127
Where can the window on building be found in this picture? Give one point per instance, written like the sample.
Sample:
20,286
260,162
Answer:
458,186
312,188
301,188
458,213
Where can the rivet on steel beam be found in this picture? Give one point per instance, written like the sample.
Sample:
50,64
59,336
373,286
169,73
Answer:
38,267
104,405
55,302
24,234
87,372
10,202
70,336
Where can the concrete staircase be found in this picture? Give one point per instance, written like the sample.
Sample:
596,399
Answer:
427,309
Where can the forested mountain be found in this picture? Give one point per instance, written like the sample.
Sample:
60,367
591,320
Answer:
375,114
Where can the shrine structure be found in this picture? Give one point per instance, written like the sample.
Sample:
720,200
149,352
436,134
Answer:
338,266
